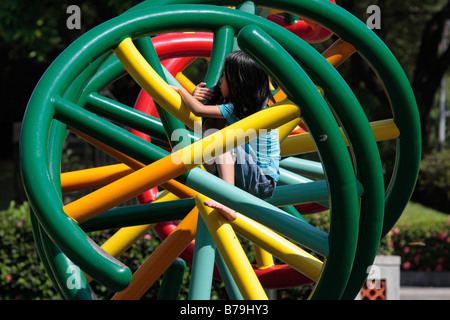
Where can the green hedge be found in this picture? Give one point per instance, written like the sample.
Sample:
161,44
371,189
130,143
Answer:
21,275
422,242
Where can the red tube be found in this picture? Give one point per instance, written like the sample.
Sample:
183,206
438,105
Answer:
281,277
177,45
309,31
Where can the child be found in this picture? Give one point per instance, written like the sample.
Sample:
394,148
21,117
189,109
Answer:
243,90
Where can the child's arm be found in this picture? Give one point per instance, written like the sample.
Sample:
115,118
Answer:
202,93
196,107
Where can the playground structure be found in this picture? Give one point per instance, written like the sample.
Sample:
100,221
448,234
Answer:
348,180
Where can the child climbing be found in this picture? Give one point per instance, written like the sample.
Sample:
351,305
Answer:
243,90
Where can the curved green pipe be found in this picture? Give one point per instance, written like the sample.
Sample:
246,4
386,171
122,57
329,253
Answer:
396,84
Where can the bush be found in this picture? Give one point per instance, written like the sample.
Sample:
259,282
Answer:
21,275
433,185
322,222
422,241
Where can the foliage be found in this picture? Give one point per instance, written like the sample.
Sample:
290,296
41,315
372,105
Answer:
322,222
21,276
31,31
396,20
422,240
433,185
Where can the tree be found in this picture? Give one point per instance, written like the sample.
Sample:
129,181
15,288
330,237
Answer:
32,35
432,64
413,31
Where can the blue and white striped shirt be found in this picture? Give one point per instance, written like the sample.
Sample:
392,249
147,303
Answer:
263,150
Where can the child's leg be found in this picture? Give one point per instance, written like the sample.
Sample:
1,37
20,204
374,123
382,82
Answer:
225,168
228,213
210,126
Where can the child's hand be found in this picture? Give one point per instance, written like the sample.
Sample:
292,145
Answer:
174,88
202,93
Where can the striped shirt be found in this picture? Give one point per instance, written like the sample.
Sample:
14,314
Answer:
263,150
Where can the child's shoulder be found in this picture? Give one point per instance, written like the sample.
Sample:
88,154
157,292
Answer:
227,110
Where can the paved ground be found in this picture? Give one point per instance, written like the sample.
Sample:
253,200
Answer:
424,293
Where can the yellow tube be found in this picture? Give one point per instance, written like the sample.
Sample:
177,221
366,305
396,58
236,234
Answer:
132,163
303,143
385,129
93,177
185,82
278,246
126,237
287,128
263,258
232,252
338,52
161,258
152,83
173,186
123,189
284,112
181,161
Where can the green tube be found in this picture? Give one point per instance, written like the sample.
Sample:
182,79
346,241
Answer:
58,225
110,71
41,252
71,281
304,167
342,184
68,279
290,178
222,46
102,130
230,285
139,215
300,193
202,263
170,123
54,83
129,116
172,280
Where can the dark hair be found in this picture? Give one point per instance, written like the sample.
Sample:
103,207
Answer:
248,85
